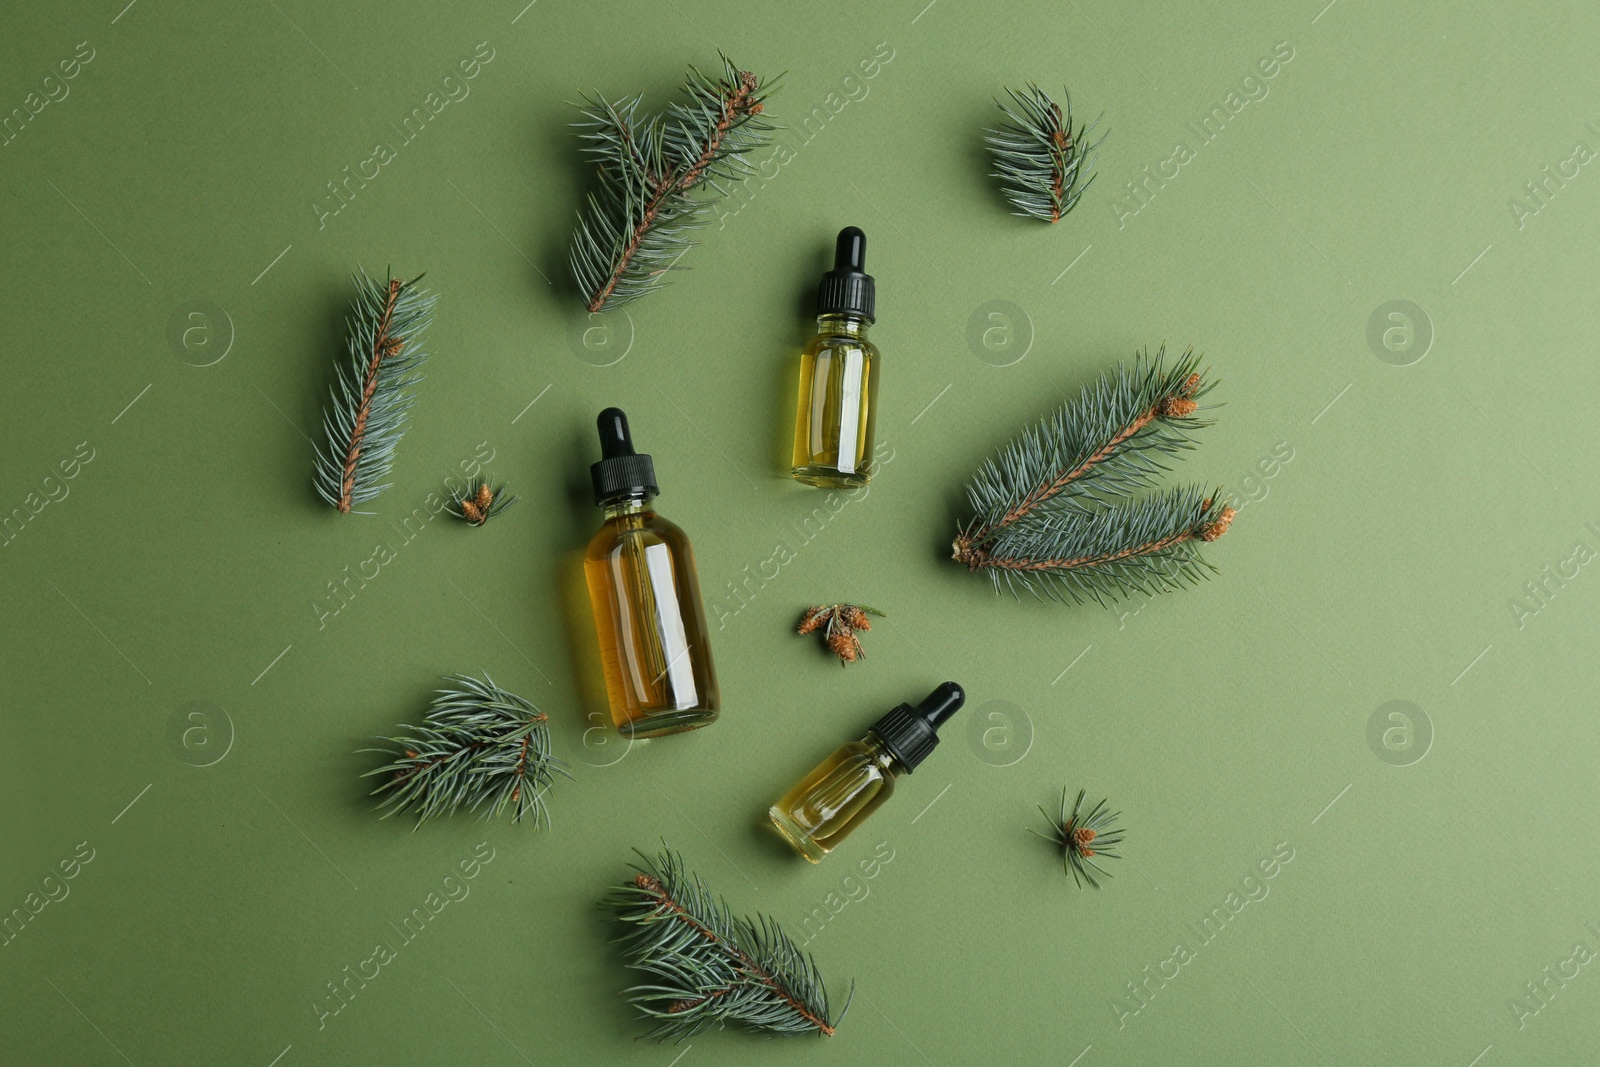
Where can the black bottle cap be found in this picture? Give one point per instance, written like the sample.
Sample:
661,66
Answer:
847,289
910,733
622,472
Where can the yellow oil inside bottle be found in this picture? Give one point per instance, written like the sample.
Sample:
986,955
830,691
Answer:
650,624
836,797
834,424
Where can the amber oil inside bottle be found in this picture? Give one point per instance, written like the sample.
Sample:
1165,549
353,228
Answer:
838,389
836,797
650,622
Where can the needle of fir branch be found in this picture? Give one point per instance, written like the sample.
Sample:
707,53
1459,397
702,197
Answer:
371,397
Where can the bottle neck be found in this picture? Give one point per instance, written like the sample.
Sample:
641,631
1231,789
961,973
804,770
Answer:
622,506
842,325
881,756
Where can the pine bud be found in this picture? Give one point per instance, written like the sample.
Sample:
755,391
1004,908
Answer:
1216,529
812,619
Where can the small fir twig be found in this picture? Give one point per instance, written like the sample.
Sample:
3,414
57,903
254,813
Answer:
371,397
478,747
708,968
1054,514
1083,836
478,506
1042,164
839,624
659,177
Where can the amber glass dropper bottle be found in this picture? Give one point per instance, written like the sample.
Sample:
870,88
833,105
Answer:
849,785
646,598
839,375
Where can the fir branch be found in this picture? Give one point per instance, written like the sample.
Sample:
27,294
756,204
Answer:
1145,546
1053,513
1083,835
708,967
659,178
1040,162
370,399
478,747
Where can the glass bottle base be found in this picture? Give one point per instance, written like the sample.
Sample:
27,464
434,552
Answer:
829,477
667,721
797,837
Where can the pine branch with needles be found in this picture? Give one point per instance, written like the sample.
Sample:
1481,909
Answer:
371,396
479,747
1055,513
659,177
1082,836
708,968
1041,163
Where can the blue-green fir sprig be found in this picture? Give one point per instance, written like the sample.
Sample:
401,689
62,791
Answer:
479,748
1042,164
708,968
1055,512
659,178
371,397
1082,836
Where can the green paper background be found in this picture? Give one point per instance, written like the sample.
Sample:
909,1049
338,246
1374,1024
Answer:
1440,862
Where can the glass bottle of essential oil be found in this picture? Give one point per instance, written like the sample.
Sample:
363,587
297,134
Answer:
839,375
646,597
849,785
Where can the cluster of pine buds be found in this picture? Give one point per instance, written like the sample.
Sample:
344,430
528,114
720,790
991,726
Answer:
480,505
839,624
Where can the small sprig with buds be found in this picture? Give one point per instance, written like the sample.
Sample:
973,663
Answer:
480,747
1039,160
839,624
1083,836
479,505
708,968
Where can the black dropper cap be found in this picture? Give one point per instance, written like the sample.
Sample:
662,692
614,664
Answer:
910,733
622,472
847,289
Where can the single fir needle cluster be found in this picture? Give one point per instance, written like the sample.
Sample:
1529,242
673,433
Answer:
708,968
839,624
371,396
1057,512
1082,836
479,747
1042,164
659,177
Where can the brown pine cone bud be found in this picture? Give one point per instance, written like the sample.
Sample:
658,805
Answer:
471,513
1176,407
855,618
844,645
1219,527
485,496
813,619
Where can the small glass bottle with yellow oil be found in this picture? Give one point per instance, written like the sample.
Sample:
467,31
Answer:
645,593
839,375
849,785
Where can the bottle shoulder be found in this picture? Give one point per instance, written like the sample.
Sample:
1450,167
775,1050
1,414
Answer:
644,529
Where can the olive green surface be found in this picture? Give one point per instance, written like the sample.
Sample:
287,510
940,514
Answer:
185,695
